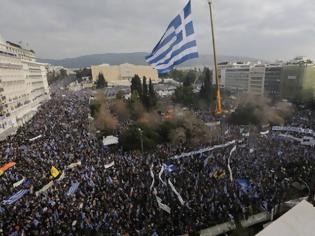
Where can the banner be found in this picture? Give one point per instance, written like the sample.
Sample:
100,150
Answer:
203,150
293,129
54,171
62,176
73,165
229,167
18,183
182,202
152,175
74,187
110,165
45,188
7,166
160,204
37,137
264,133
160,175
307,141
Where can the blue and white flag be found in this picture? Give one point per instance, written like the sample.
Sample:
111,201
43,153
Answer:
177,45
17,196
169,168
74,187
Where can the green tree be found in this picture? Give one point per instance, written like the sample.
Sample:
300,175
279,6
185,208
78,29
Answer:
63,73
145,95
136,85
152,95
101,82
190,78
207,91
131,138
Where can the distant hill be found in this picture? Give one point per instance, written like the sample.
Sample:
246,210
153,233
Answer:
136,58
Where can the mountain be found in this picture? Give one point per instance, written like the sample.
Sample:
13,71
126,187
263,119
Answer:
137,58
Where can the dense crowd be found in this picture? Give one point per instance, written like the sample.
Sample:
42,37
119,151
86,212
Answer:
122,198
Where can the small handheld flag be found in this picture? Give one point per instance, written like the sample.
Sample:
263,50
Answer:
54,171
177,45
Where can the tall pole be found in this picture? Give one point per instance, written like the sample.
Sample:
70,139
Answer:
219,105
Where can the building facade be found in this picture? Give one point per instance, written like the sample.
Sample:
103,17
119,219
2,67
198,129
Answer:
23,85
294,80
298,80
121,75
272,81
256,80
237,78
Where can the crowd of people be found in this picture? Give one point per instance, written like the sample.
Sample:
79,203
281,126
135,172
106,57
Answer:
111,192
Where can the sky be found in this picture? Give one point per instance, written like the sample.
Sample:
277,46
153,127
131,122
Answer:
264,29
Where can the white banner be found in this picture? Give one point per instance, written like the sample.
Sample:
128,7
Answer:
160,204
152,175
265,133
62,176
73,165
18,183
160,175
307,141
110,165
177,193
45,188
293,129
37,137
229,167
203,150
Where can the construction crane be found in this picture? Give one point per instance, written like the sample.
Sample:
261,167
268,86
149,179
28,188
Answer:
218,92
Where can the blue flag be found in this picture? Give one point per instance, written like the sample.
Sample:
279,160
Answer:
74,187
15,197
177,45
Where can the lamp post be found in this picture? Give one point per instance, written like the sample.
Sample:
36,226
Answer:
141,138
218,105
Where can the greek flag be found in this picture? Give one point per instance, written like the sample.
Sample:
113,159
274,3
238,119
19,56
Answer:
177,45
74,187
17,196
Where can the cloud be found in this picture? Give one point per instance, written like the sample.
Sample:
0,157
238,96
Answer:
56,29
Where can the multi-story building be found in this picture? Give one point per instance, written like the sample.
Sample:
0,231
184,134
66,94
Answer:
294,80
237,78
298,80
272,81
256,80
23,85
122,74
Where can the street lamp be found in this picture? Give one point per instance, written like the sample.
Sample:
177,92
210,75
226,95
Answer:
141,138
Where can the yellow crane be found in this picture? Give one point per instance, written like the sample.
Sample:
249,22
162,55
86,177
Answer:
218,95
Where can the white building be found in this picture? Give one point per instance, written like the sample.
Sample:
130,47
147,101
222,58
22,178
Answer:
241,77
256,83
23,85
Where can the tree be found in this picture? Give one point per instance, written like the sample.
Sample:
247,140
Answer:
144,97
101,82
63,73
152,95
131,138
207,91
185,95
246,114
136,85
189,78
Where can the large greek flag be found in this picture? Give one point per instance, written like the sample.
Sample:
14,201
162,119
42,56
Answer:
177,45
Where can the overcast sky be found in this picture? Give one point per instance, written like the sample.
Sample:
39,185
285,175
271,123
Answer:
266,29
